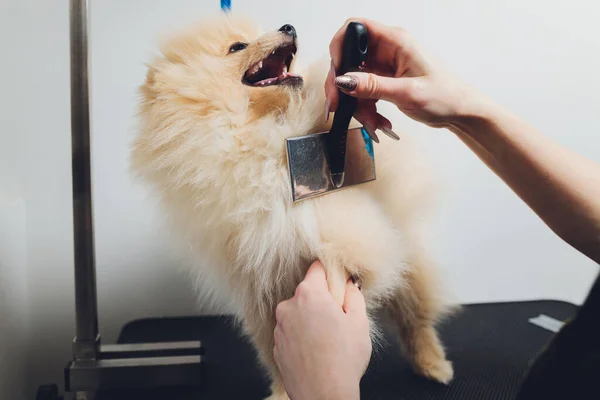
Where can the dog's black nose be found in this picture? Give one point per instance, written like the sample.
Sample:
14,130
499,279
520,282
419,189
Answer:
289,29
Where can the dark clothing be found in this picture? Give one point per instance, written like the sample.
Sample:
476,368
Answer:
569,367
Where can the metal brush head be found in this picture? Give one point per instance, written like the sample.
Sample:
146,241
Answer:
309,170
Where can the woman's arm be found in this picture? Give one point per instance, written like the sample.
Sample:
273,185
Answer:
560,186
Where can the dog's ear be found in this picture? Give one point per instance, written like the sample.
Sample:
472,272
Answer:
147,88
150,73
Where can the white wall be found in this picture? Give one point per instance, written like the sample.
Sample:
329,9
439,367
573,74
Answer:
14,310
540,58
35,174
14,327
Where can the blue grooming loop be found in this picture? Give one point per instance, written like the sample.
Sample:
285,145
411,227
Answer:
368,142
226,5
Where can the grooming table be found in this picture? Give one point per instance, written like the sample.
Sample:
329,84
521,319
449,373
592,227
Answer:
490,345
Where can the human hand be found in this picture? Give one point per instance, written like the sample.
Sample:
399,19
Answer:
322,350
397,70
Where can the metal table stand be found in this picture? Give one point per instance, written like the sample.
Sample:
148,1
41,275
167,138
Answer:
97,366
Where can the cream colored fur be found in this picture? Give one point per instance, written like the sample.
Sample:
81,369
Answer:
213,150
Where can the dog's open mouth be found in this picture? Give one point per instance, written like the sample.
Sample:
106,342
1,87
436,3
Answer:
274,69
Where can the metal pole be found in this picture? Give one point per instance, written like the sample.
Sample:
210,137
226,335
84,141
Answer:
93,368
87,339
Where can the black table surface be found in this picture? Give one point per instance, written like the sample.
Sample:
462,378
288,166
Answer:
491,346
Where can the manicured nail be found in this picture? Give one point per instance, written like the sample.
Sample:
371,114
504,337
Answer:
326,110
346,82
356,282
371,133
389,132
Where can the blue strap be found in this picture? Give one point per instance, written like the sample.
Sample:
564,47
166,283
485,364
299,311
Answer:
368,142
226,5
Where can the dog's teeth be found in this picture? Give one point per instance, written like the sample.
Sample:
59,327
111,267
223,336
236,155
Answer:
273,53
256,68
285,70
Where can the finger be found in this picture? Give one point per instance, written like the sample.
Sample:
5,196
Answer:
366,113
316,275
403,92
276,356
280,311
331,91
385,126
277,333
354,301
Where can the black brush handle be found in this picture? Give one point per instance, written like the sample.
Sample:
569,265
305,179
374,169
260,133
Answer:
354,55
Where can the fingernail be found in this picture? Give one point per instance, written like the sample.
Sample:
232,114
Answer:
371,133
332,69
356,282
346,82
389,132
326,110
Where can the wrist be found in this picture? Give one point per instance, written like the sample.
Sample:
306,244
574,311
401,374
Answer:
334,389
473,113
345,391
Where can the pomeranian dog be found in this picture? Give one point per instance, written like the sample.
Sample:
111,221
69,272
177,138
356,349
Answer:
216,107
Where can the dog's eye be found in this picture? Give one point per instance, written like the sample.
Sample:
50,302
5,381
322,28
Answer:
237,47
